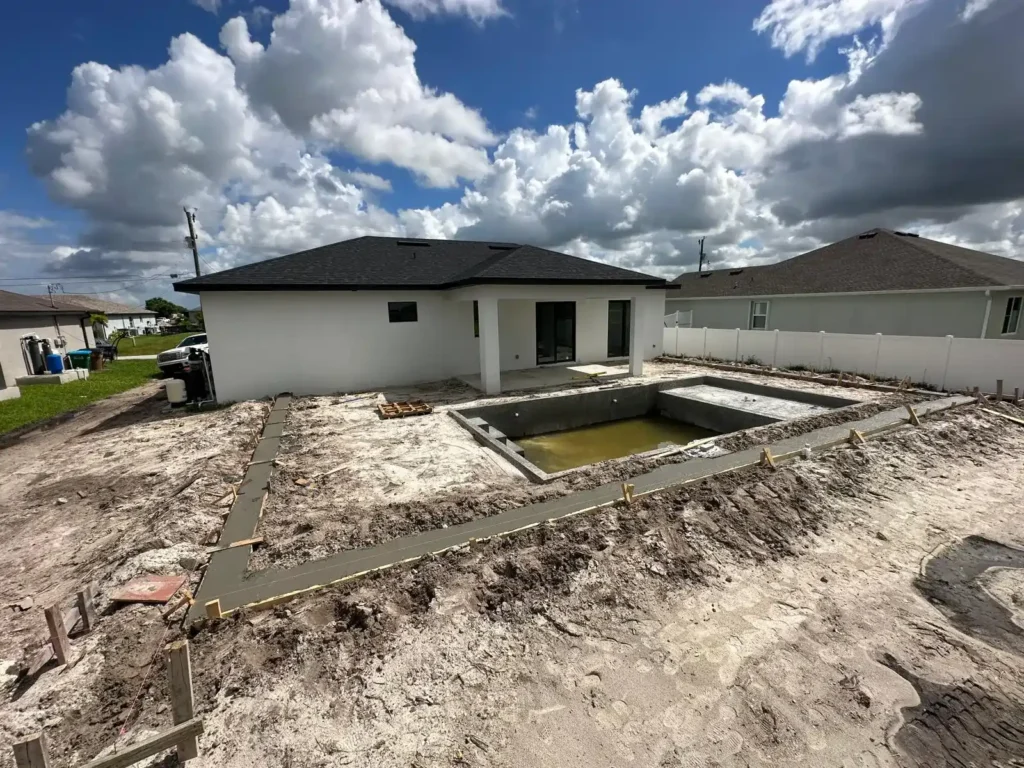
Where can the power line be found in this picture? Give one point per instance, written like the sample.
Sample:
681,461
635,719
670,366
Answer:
93,282
84,277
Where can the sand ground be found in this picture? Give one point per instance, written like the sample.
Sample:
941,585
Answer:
817,615
345,479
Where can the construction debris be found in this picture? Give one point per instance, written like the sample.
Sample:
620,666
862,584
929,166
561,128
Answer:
403,408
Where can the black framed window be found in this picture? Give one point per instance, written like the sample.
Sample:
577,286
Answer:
476,320
1012,317
402,312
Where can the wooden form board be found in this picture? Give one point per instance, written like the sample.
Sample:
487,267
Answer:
403,409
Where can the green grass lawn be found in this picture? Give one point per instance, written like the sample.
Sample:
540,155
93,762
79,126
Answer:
43,401
150,345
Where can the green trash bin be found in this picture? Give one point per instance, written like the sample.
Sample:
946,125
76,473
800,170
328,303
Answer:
80,358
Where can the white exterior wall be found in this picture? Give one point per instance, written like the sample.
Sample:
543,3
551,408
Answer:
318,342
125,322
13,327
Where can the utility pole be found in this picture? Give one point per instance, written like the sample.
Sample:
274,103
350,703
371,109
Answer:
190,217
700,264
53,288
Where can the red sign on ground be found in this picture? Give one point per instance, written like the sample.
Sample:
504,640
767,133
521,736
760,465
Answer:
148,589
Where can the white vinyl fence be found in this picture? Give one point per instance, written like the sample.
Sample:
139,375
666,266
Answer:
947,363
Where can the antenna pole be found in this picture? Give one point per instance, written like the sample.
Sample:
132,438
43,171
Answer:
700,264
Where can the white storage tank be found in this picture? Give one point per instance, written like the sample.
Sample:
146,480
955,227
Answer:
175,391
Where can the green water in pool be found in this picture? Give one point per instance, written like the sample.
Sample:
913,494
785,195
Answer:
557,451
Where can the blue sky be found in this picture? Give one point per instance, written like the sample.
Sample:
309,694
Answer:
468,155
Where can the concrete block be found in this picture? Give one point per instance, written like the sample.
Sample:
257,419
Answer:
476,421
74,374
496,433
9,393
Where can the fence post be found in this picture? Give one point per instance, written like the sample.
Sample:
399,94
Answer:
878,355
821,352
949,354
736,359
775,352
704,353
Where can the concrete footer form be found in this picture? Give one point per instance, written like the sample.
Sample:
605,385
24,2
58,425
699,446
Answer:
227,580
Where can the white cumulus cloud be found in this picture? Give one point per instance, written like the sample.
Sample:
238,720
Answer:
478,10
251,135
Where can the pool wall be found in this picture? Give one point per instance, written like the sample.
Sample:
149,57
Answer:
498,425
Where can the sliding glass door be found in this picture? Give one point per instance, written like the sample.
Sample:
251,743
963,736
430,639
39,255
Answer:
556,332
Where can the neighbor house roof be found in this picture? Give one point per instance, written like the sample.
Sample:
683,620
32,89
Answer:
877,260
385,262
94,304
20,304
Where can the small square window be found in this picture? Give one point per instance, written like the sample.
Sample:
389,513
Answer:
758,315
1012,317
402,312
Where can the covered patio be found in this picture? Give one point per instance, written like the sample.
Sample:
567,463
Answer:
552,376
543,336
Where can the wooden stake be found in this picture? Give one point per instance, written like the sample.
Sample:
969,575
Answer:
213,609
913,416
32,753
242,543
143,749
999,390
857,437
1002,415
1016,395
767,459
186,599
179,667
627,493
978,396
86,608
58,634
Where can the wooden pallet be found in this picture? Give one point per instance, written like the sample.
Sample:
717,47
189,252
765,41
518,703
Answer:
403,409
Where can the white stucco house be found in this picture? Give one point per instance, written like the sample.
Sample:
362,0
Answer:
374,312
66,325
120,317
879,281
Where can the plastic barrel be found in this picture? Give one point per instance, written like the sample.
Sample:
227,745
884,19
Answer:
54,363
175,391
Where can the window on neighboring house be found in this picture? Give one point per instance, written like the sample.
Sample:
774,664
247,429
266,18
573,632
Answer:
758,315
1012,317
476,320
402,312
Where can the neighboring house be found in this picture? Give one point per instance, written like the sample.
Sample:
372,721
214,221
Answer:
880,281
375,311
193,314
21,315
120,317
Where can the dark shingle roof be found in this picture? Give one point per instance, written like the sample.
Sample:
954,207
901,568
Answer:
877,260
385,262
19,303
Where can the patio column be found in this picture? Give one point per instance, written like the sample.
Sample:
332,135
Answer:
490,356
636,338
